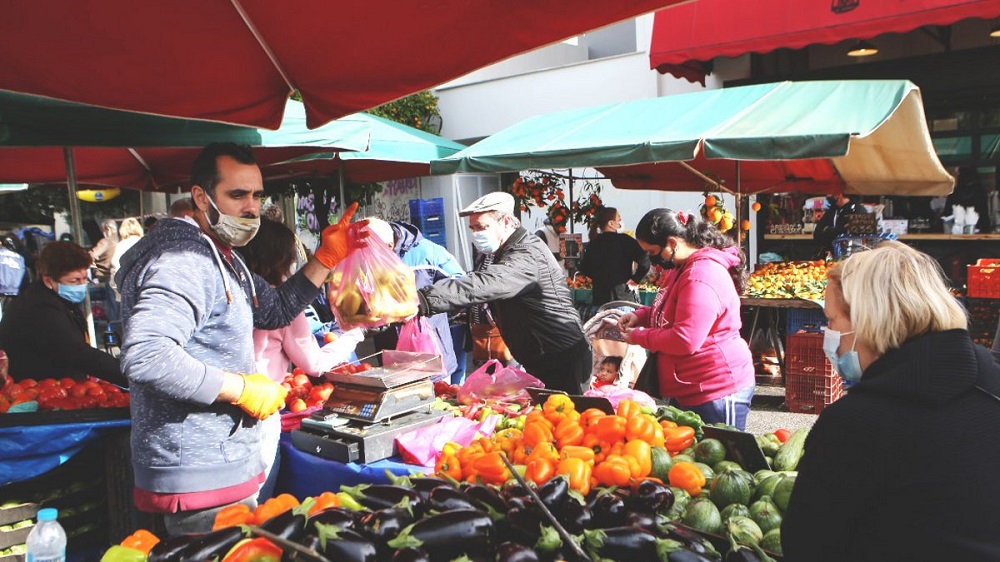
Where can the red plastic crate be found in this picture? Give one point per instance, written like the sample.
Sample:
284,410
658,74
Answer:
810,382
984,279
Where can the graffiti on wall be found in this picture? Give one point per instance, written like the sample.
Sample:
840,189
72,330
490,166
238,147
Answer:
393,202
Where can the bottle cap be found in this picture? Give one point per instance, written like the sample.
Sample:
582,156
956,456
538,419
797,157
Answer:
48,514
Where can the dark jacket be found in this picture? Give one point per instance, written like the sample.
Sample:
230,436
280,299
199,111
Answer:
608,262
430,262
44,336
833,223
905,466
527,296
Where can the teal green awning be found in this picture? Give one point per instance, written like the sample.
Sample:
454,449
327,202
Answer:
865,136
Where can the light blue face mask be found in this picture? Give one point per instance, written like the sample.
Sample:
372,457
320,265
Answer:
848,365
485,242
73,293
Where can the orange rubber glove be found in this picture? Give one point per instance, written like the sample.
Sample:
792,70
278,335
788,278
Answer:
261,396
334,245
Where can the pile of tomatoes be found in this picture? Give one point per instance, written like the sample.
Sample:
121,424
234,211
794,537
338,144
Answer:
63,394
351,368
302,393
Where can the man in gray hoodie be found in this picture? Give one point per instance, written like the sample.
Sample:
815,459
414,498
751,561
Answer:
189,305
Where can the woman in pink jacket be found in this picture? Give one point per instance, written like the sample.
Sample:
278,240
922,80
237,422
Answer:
693,327
272,254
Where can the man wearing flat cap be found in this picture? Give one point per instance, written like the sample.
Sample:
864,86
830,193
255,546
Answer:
526,293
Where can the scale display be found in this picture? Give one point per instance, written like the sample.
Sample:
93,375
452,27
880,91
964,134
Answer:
372,404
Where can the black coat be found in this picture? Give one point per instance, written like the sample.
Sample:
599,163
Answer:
44,336
833,223
527,296
906,466
608,262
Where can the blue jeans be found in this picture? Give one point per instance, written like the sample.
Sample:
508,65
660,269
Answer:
730,410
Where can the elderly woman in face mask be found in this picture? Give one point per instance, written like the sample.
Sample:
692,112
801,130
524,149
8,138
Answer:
43,330
905,466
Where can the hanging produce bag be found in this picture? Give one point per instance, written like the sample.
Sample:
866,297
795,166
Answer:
370,287
417,336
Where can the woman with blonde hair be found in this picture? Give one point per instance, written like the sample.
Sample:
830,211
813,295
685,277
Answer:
130,232
905,466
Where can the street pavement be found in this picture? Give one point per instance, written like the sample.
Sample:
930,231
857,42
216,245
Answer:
768,412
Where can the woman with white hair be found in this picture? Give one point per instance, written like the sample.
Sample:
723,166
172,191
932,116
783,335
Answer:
130,232
905,466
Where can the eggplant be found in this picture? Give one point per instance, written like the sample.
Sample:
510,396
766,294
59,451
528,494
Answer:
384,524
448,499
554,494
336,517
514,552
609,511
742,554
411,554
686,555
307,540
487,495
620,543
693,541
211,545
641,520
289,525
652,497
523,525
521,503
576,517
381,496
167,549
514,489
450,534
345,545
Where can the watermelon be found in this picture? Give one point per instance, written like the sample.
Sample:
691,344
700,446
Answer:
732,486
702,515
722,466
765,514
709,451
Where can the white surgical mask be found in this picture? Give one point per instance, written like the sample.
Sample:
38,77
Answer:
848,365
485,241
235,231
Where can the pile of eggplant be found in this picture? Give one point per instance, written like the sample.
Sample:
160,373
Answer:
433,520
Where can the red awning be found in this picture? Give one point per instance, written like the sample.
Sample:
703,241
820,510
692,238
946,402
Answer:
687,34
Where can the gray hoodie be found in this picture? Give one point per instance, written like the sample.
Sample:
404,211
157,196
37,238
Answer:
189,316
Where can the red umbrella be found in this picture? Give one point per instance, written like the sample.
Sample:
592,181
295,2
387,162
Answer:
236,61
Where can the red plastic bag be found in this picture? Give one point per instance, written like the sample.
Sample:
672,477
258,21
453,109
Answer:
371,286
493,381
417,336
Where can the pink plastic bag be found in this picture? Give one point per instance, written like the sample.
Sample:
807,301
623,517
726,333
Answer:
371,286
616,394
495,382
421,446
417,335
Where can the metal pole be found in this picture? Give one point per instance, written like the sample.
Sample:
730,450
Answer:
570,201
77,224
340,183
739,212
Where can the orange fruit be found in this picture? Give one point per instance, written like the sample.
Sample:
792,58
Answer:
710,201
755,207
745,225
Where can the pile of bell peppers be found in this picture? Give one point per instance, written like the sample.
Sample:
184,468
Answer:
589,448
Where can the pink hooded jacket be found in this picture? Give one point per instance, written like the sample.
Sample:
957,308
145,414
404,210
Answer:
694,328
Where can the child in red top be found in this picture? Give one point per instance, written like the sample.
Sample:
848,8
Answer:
608,373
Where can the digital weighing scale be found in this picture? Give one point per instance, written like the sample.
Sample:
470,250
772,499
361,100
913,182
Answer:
368,410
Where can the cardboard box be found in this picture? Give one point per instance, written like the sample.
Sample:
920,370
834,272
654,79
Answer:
895,226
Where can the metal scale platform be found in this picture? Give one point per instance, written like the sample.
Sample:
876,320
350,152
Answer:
368,410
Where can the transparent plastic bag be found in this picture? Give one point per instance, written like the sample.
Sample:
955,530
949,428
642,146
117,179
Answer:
371,287
417,335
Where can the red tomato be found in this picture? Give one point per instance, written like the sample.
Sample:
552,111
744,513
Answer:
365,367
782,434
48,383
4,405
96,392
67,382
329,337
28,383
301,380
78,390
297,371
298,405
13,390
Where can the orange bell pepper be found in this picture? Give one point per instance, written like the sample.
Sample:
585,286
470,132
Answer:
272,507
641,426
144,541
667,424
676,439
643,454
521,453
578,473
658,438
611,428
536,416
557,406
568,432
589,417
506,440
614,471
540,471
537,433
687,476
600,448
491,469
577,452
324,501
629,408
448,465
544,451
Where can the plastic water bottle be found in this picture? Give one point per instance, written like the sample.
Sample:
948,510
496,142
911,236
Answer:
47,541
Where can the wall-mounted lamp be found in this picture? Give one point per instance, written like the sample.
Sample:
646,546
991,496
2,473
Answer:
862,49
